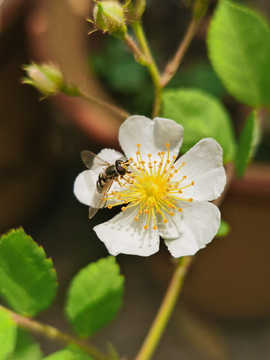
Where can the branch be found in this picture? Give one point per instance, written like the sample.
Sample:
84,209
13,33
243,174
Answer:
53,334
173,65
111,108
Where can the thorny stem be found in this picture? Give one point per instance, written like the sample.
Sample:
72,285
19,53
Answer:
152,67
53,334
173,65
111,108
165,310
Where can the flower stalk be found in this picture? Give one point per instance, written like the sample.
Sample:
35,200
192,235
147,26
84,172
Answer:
152,67
173,65
122,114
138,55
165,310
52,333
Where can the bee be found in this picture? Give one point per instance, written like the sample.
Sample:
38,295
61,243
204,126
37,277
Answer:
106,178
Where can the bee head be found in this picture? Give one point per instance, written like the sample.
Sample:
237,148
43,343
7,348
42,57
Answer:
121,167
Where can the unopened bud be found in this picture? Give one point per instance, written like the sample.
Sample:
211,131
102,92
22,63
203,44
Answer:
45,78
109,17
49,80
199,9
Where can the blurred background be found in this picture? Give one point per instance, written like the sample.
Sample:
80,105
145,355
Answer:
224,309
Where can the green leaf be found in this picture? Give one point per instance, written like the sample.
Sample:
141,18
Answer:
70,353
224,229
61,355
249,140
94,296
26,348
239,49
8,330
201,115
27,278
200,76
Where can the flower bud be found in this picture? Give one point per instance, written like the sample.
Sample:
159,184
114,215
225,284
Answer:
199,9
47,79
109,17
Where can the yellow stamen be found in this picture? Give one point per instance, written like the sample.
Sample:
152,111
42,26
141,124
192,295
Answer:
153,185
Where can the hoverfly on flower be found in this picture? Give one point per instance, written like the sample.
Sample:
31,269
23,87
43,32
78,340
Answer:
112,172
160,194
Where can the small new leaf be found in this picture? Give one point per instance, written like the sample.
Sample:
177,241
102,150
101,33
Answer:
95,296
249,140
27,278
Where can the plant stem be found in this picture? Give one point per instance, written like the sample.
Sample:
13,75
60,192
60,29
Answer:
165,310
112,108
152,68
139,56
53,334
173,65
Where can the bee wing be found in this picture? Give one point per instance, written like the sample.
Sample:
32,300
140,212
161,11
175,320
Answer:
92,161
98,198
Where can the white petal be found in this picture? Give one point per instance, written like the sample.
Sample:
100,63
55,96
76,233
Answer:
84,186
199,223
171,229
109,155
152,135
204,166
122,234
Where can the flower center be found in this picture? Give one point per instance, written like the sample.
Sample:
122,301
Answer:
151,187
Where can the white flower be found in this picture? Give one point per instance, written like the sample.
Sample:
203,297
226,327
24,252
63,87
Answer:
163,196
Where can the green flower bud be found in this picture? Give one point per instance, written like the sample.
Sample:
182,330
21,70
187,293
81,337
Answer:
47,79
109,17
199,9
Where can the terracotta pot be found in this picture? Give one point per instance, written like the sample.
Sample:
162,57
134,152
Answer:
230,277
